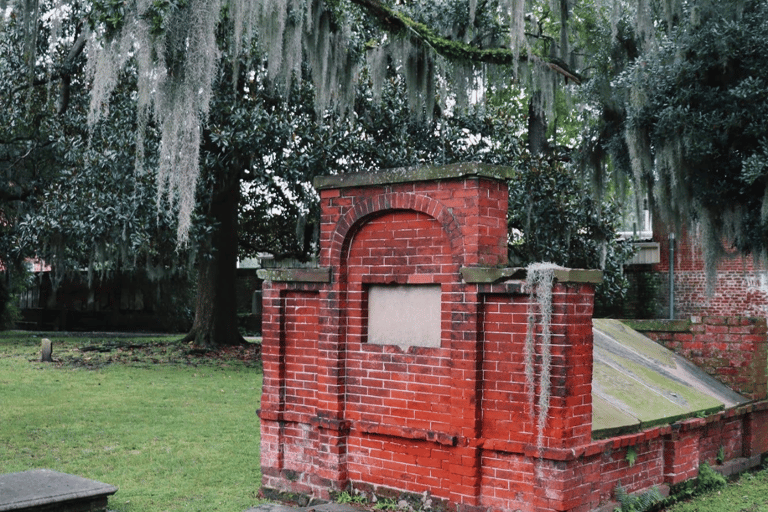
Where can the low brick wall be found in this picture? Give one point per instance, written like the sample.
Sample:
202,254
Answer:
734,350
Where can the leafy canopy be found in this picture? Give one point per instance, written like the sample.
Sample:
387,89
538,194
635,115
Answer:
696,110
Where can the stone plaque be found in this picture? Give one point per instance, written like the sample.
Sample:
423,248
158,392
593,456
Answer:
404,315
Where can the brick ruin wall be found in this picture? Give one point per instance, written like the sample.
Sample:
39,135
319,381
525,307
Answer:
731,349
456,420
741,288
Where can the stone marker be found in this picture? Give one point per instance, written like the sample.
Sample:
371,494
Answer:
46,490
47,351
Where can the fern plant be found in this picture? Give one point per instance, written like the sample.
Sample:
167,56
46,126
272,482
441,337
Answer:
638,502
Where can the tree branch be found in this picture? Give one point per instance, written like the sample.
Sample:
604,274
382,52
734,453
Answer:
394,21
63,71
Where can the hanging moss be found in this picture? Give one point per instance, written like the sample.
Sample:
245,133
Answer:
539,281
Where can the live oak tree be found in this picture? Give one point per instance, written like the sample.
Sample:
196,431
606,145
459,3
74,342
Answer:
175,48
696,107
446,52
459,43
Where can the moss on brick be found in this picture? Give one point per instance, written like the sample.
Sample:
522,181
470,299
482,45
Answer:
659,325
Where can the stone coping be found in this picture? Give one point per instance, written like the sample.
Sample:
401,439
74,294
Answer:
659,325
413,174
488,275
471,275
28,490
296,275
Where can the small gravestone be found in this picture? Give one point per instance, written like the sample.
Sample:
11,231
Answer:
47,351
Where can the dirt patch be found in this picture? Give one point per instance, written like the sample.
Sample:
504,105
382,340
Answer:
132,352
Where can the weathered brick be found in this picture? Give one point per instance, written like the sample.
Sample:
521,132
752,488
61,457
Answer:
457,420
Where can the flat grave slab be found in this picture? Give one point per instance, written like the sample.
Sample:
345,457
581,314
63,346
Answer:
44,490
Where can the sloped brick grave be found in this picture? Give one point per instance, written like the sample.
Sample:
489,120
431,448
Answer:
406,362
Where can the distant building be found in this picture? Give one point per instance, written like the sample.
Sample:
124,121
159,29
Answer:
740,287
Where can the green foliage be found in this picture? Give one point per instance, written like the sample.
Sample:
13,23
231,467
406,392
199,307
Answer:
636,503
699,102
387,504
109,14
631,456
709,479
76,202
646,292
13,281
93,211
720,454
451,49
7,315
549,193
159,11
350,498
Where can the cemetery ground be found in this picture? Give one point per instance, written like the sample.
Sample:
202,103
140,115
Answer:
174,429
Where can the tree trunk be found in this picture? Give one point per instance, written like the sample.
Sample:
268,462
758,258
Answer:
215,322
537,127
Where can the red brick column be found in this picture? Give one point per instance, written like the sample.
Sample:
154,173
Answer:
755,433
681,456
516,473
450,417
466,382
288,448
570,408
457,218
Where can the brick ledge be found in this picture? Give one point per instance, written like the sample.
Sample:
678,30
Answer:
296,275
489,275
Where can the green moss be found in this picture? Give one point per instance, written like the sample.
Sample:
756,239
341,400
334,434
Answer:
659,325
453,50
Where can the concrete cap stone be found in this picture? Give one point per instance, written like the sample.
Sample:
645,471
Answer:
489,275
38,487
413,174
297,275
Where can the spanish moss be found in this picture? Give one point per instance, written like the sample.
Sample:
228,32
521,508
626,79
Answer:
539,281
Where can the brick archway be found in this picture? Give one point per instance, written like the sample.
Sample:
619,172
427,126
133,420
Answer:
356,217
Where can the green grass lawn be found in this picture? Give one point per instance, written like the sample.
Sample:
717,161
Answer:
747,493
174,430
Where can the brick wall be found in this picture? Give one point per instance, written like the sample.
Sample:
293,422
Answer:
459,421
734,350
741,288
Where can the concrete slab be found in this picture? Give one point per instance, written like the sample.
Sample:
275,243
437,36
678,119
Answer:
325,507
637,383
41,489
611,420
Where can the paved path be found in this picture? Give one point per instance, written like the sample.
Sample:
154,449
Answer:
325,507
